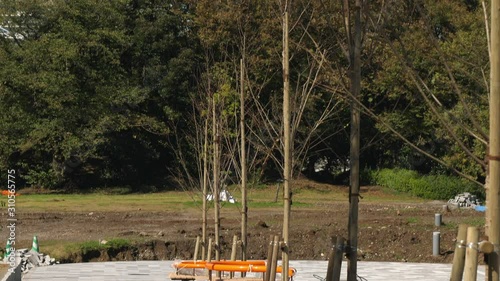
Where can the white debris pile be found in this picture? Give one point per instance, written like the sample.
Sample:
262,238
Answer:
29,259
465,200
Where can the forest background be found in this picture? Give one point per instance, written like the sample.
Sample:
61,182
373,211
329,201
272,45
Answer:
100,94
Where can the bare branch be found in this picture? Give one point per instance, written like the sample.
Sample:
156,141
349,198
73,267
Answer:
487,27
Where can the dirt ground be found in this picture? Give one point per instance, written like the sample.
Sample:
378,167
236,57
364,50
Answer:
387,231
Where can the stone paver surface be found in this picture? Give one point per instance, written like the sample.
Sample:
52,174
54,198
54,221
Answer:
306,271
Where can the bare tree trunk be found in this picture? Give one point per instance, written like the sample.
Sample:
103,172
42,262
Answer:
244,212
287,175
493,208
205,190
216,178
355,74
487,220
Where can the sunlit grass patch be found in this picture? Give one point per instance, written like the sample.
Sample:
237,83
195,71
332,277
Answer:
269,196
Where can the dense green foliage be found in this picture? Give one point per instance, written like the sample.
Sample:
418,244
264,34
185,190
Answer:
122,92
86,100
437,187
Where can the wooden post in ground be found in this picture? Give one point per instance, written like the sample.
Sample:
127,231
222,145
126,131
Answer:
471,254
196,248
339,253
196,251
209,250
234,248
274,261
331,258
209,257
233,252
457,270
486,247
269,258
493,194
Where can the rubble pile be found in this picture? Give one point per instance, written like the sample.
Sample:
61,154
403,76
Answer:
29,259
465,200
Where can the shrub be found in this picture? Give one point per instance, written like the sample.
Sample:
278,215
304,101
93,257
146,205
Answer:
89,246
437,187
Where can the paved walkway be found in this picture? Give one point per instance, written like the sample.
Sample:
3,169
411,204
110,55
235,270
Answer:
306,271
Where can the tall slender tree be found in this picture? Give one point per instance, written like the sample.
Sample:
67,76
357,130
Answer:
493,203
243,161
354,38
287,147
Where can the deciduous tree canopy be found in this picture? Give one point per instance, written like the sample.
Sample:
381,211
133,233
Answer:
104,93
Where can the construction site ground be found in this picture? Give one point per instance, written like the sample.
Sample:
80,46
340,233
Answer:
390,229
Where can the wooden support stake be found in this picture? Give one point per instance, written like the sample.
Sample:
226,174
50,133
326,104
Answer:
196,248
209,257
471,254
233,253
269,258
209,250
486,247
234,248
331,257
274,261
457,270
337,260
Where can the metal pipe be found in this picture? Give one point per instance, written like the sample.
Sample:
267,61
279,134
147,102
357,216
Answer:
435,243
437,219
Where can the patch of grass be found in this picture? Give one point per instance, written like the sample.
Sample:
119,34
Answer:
64,249
58,249
118,243
279,203
193,204
89,246
412,220
251,204
477,222
470,221
305,194
119,190
94,202
261,186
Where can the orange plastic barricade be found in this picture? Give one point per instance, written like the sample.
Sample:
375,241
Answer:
257,266
202,264
243,266
196,270
189,264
